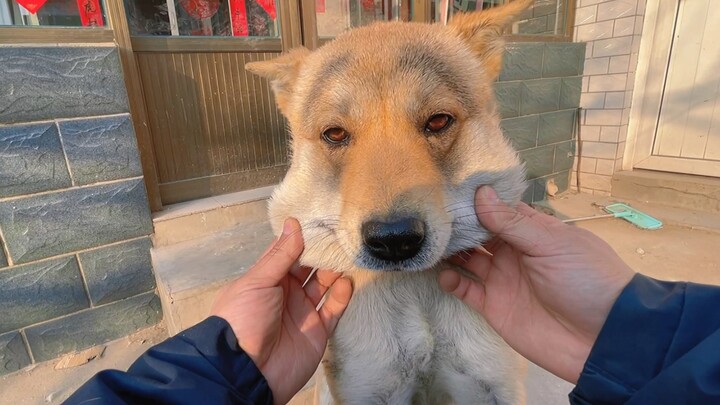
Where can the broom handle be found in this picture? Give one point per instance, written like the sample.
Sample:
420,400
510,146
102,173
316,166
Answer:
587,218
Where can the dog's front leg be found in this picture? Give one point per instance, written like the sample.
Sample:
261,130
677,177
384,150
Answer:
479,367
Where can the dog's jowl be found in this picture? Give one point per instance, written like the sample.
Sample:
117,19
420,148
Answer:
394,127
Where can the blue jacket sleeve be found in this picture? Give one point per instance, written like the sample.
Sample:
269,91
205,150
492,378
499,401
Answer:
202,365
659,345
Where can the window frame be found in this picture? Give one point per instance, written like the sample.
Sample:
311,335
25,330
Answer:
422,13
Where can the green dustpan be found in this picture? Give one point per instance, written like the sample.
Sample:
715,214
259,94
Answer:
626,212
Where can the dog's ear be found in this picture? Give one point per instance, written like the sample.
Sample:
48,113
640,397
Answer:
282,73
483,30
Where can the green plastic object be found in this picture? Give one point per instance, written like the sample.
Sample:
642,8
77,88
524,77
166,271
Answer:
635,217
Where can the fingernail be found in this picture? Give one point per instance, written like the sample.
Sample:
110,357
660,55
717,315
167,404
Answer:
487,193
287,227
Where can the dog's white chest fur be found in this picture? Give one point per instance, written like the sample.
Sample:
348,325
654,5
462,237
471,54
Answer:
403,341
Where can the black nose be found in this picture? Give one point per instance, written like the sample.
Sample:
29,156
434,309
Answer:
394,241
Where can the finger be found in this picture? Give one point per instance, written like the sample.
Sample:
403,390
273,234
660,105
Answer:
513,226
537,215
318,285
301,273
335,304
281,256
470,292
476,263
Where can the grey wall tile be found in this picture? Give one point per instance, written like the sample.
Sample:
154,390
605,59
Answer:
40,291
508,98
522,61
13,355
93,326
563,59
527,196
39,83
540,189
556,126
118,271
522,131
101,149
46,225
570,92
538,161
31,159
562,180
564,156
539,96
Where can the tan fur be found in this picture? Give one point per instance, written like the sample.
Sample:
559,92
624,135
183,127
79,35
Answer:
402,340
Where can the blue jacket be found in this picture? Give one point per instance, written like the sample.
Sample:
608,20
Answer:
659,345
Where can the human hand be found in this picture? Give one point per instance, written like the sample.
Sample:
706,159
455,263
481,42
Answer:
274,317
548,287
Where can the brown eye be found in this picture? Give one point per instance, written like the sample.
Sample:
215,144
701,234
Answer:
335,136
438,122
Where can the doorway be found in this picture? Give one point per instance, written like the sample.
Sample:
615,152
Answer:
679,122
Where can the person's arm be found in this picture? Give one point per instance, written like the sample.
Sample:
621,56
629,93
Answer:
202,365
659,345
265,339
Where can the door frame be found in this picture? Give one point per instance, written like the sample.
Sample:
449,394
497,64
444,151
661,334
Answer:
653,65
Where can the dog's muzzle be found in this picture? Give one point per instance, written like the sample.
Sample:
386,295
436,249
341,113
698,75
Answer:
394,240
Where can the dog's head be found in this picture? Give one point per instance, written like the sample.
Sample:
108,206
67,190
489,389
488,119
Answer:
394,126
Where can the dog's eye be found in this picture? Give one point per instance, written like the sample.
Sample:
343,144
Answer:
438,122
335,136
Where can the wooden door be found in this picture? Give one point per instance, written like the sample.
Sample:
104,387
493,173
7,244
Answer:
215,129
686,133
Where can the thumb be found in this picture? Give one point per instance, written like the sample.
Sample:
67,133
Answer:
516,226
282,254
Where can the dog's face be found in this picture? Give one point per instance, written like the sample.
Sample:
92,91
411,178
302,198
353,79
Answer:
394,126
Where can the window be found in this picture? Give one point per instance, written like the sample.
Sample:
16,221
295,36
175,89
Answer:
334,16
224,18
544,18
49,13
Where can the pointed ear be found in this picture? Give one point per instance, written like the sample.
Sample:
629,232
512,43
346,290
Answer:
483,31
282,73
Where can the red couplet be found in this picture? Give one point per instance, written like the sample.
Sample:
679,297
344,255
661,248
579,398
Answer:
90,13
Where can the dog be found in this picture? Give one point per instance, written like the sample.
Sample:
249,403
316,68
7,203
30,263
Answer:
394,126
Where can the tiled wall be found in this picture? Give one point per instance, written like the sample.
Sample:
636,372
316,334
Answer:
538,94
612,30
74,219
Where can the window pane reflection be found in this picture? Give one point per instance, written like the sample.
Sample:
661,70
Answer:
240,18
52,13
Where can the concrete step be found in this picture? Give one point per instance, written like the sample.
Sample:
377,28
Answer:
200,245
200,218
672,189
190,273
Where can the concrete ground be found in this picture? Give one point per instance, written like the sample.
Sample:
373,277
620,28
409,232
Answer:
685,249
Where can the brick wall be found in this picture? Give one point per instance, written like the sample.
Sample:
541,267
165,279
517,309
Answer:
538,94
612,30
75,265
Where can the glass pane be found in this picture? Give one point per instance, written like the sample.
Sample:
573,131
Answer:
545,17
240,18
335,16
58,13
